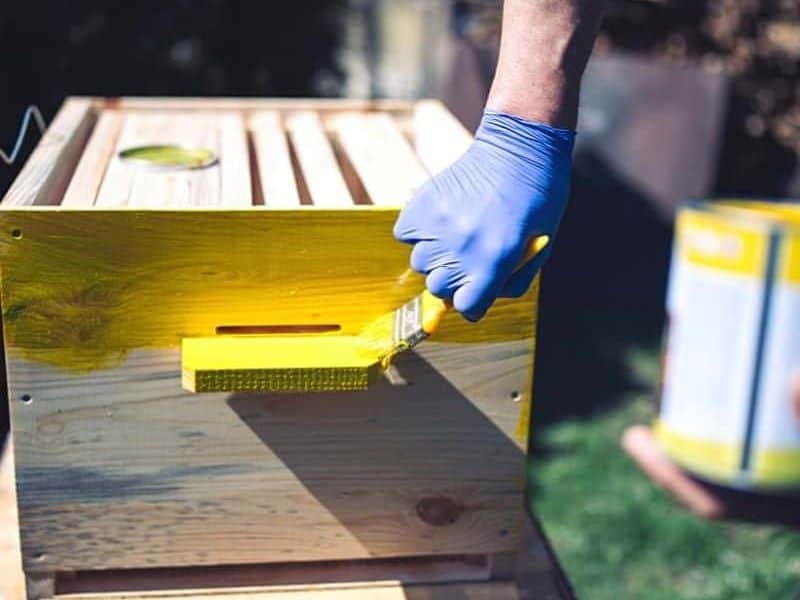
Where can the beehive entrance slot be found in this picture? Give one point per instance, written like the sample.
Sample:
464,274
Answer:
292,329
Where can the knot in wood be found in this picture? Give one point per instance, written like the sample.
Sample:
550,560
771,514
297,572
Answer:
439,511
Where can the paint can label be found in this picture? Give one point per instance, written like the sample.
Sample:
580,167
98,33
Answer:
732,348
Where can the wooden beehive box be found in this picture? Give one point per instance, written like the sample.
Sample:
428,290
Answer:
107,265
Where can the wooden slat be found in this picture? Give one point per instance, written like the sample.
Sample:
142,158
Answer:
258,478
88,176
236,189
131,184
275,173
253,104
224,184
45,176
439,138
383,159
535,576
321,172
411,570
349,591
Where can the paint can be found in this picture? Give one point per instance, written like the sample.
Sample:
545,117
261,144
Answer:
729,408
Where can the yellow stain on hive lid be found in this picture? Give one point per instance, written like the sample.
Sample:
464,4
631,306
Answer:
81,288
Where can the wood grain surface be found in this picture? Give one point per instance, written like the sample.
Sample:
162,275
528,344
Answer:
47,172
533,574
381,156
226,183
275,172
120,468
320,171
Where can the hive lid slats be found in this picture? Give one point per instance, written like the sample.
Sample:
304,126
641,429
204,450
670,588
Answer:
141,186
276,176
384,160
236,190
440,139
280,154
321,172
89,173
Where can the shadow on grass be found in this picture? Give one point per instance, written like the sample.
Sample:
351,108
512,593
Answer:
757,507
603,292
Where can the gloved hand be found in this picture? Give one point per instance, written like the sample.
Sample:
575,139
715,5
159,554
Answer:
471,223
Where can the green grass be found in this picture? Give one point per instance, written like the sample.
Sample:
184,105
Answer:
618,536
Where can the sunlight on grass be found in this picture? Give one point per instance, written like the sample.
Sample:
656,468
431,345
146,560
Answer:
618,536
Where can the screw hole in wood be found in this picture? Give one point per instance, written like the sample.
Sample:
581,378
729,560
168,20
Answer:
16,234
26,398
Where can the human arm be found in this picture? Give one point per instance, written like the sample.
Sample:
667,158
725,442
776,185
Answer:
471,224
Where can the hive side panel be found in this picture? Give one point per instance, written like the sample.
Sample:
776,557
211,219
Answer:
317,161
138,473
45,176
276,175
381,156
118,467
88,176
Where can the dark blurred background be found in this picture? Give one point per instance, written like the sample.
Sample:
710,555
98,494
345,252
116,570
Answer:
683,99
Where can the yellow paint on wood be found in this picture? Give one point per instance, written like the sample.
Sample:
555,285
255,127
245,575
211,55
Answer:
81,289
277,363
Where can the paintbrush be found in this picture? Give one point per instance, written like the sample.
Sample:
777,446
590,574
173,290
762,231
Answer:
277,363
420,317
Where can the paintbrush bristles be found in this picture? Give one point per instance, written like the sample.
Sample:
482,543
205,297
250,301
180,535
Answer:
405,327
378,336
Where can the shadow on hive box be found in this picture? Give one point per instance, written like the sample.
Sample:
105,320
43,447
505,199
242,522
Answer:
417,472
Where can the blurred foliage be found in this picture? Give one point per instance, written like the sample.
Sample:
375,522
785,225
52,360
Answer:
619,536
56,48
757,44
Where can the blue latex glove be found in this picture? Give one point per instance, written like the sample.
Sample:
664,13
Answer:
471,224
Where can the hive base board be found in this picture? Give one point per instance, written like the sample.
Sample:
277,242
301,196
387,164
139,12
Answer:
532,573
